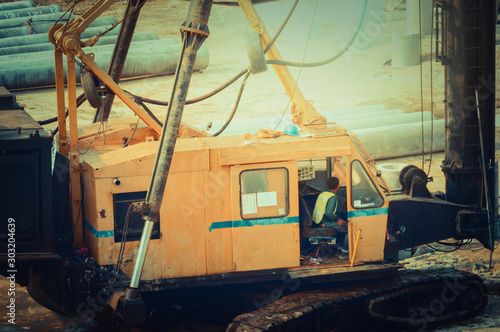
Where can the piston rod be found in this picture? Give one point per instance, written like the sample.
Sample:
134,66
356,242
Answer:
194,32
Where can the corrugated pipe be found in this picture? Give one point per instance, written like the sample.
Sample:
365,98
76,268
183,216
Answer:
6,14
16,5
106,40
158,57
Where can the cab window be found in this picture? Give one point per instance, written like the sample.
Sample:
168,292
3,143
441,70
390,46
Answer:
364,192
264,193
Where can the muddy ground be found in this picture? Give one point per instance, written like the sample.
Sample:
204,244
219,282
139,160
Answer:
363,76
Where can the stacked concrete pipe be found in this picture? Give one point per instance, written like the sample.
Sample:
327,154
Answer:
339,116
27,56
384,133
156,57
44,38
403,140
35,20
16,5
51,19
384,120
95,49
43,28
105,40
31,11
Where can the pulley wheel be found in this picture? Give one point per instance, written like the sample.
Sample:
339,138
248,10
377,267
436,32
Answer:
411,174
52,30
403,172
90,84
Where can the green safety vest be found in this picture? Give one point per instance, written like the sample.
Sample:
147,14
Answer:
320,207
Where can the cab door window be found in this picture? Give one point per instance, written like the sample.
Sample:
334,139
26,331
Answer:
264,193
364,192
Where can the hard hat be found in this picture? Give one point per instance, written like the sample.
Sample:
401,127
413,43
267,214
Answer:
291,130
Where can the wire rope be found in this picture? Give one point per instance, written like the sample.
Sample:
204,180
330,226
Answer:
300,71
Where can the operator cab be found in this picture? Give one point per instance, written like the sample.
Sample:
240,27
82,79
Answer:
358,196
313,175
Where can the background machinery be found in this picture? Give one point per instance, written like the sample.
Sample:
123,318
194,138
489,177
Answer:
170,208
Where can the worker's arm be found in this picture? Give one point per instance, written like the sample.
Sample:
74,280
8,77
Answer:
330,209
331,214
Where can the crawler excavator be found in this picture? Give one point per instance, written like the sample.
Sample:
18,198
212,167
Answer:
172,210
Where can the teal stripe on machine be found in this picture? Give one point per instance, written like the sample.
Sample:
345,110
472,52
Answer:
96,233
367,212
220,225
253,222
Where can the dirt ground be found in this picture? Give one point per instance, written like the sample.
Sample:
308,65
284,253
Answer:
363,76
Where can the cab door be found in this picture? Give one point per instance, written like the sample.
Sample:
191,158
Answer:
265,222
367,212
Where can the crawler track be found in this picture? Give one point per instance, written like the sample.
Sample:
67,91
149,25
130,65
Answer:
412,298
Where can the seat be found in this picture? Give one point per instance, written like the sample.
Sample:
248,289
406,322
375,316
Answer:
314,234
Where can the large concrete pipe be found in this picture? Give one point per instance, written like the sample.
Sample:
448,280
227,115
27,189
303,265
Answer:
157,57
367,115
242,126
402,140
4,15
33,20
276,106
16,5
365,123
24,40
95,49
416,9
405,49
141,36
48,47
43,38
380,142
384,142
102,22
11,50
52,19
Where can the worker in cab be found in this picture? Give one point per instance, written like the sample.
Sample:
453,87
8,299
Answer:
327,213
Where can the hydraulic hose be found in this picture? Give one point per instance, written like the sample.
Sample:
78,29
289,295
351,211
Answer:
197,99
143,100
245,72
328,60
281,27
232,80
237,102
274,62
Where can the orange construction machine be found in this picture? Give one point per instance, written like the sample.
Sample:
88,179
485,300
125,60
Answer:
168,207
